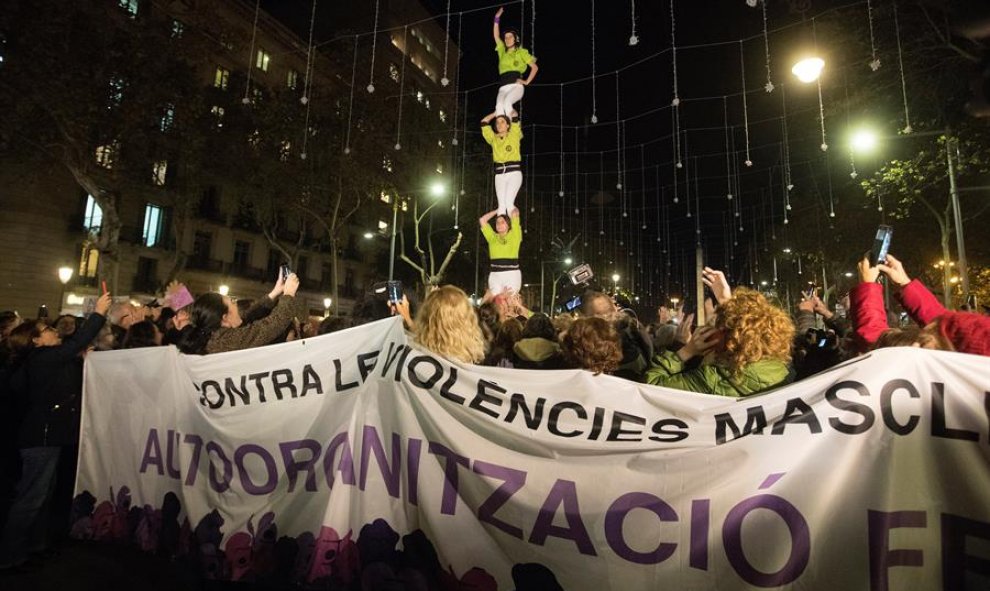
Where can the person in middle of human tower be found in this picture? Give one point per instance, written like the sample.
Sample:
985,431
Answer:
513,60
505,141
503,250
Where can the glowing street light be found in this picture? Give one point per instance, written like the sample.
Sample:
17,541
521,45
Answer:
327,302
864,141
568,261
615,277
368,235
223,290
64,275
437,189
809,69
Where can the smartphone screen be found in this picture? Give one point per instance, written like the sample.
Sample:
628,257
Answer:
286,271
394,289
881,244
573,303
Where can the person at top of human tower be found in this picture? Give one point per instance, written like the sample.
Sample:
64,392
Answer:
513,60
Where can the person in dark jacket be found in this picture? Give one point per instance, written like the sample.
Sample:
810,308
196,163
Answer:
217,326
45,402
538,348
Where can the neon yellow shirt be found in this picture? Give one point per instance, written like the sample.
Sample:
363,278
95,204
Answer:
512,61
504,149
503,247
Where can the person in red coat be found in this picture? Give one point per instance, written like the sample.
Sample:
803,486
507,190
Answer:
938,328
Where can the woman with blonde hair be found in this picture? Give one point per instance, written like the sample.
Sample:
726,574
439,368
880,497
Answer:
447,325
747,351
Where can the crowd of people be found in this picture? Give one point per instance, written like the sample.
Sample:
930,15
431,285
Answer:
747,345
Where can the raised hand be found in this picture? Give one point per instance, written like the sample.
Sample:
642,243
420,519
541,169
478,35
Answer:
867,274
894,269
717,282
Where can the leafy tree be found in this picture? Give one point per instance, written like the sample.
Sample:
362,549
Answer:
88,85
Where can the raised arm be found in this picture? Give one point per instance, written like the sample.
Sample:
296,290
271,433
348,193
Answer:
515,213
488,118
496,33
483,220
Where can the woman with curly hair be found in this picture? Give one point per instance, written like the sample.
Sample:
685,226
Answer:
592,344
447,325
746,352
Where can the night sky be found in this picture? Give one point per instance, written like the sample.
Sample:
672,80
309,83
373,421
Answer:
563,44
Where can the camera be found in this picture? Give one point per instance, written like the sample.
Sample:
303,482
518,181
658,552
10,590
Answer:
285,270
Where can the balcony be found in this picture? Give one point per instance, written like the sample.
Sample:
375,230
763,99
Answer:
246,272
195,263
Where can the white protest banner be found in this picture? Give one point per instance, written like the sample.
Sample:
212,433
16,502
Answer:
360,461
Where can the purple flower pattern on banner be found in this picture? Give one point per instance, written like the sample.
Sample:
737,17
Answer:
326,560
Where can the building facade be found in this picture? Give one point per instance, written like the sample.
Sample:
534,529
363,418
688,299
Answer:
49,222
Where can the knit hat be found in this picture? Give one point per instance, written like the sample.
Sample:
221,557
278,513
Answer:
968,332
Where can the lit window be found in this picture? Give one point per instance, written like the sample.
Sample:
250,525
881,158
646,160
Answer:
221,78
217,112
261,62
129,6
419,96
284,150
116,92
443,116
105,155
292,80
382,226
168,117
385,197
93,218
177,29
158,172
153,219
256,94
393,72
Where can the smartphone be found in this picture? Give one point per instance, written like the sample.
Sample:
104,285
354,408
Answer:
881,244
42,311
394,290
285,271
573,303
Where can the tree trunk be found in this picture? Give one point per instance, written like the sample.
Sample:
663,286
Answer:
946,269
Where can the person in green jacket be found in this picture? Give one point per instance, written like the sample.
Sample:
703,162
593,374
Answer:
503,250
747,351
512,63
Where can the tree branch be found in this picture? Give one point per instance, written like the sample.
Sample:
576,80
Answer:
945,38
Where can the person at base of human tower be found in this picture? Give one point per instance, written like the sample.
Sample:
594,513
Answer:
505,141
513,60
503,250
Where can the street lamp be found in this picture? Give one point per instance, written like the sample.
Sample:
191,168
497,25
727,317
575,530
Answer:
327,302
64,275
568,261
615,282
809,69
864,141
224,290
368,235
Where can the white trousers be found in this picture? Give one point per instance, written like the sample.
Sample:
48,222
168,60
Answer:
502,281
507,186
508,95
